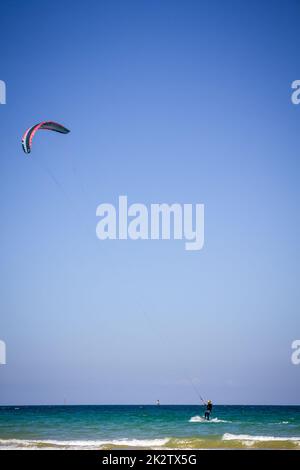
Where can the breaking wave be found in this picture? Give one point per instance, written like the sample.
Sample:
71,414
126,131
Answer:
87,444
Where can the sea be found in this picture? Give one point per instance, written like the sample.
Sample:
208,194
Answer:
149,427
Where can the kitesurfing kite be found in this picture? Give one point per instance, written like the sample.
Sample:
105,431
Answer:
46,125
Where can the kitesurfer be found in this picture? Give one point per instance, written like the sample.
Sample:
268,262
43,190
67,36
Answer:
208,409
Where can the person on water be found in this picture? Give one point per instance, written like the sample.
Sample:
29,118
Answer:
208,410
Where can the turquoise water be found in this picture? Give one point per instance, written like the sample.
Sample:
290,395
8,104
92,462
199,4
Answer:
105,427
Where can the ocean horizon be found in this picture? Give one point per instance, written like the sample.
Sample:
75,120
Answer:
103,427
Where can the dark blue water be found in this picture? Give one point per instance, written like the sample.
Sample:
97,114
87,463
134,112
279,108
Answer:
149,427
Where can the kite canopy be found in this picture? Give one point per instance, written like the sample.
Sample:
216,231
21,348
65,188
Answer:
46,125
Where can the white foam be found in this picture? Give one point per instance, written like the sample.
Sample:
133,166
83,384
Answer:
200,419
246,437
87,444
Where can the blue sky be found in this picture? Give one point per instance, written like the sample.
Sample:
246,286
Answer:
167,101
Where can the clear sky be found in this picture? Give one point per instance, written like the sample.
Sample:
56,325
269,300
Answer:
168,101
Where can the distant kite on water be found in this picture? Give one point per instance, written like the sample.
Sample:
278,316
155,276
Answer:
46,125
